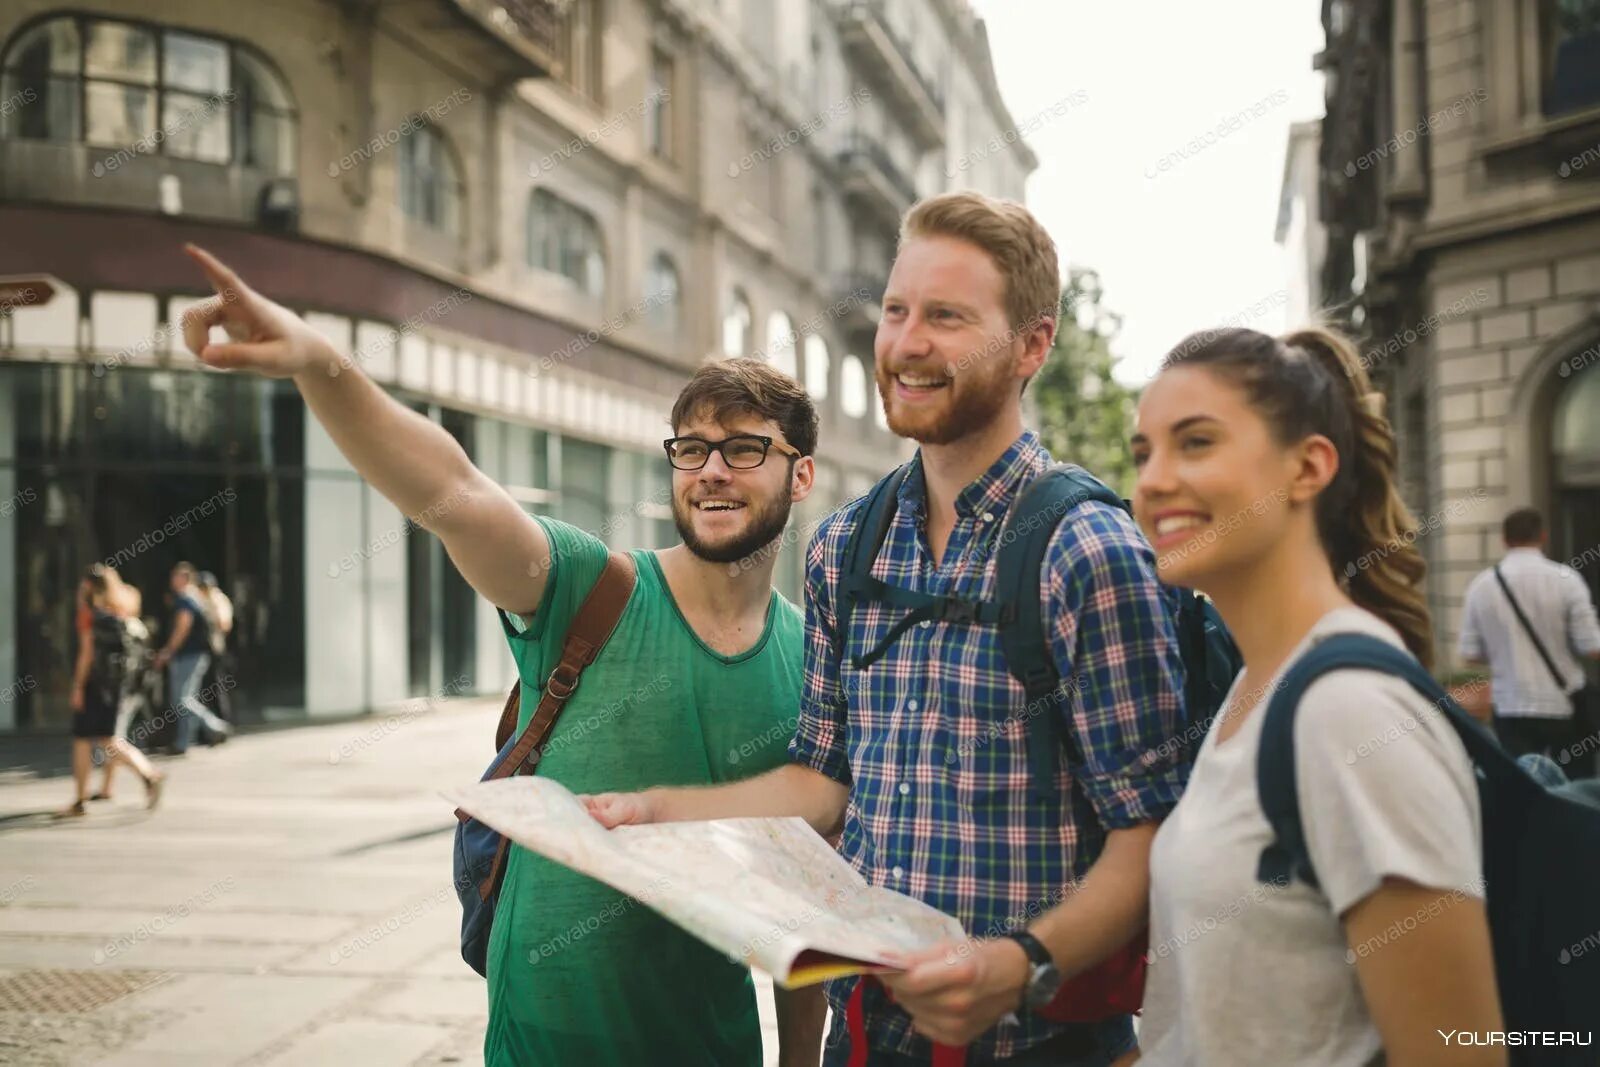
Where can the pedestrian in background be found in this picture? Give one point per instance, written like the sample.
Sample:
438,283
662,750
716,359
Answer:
185,657
219,614
1532,620
100,681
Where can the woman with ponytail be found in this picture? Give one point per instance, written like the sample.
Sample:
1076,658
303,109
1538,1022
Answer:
1267,481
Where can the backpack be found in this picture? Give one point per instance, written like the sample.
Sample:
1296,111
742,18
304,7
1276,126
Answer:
1541,851
479,863
1115,986
1210,658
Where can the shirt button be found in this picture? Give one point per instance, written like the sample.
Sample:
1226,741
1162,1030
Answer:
898,872
987,516
905,788
925,623
911,705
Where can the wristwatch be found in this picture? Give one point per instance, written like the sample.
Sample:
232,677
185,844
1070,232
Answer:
1043,978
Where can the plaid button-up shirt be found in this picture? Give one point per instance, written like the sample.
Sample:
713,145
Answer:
931,739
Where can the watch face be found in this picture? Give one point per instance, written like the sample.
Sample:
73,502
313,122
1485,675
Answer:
1043,984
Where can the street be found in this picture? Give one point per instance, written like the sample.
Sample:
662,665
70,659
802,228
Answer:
289,903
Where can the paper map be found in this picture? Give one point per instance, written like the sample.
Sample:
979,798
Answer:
767,892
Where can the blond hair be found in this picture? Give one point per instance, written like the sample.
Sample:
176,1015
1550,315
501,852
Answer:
1019,246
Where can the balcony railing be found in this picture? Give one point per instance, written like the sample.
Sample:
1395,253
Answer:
532,28
858,294
883,52
871,175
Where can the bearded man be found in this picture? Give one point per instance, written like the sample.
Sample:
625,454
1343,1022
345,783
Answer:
698,684
921,756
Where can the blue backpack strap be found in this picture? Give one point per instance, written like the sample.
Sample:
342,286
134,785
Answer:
858,586
1024,540
1288,856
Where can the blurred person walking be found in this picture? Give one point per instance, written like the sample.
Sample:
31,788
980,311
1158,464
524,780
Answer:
1532,620
101,680
185,656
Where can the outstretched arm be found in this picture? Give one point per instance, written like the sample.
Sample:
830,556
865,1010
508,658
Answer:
499,548
787,790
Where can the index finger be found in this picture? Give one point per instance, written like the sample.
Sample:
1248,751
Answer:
227,284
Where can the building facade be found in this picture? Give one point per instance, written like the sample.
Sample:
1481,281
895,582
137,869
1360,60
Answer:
1460,185
530,220
1299,230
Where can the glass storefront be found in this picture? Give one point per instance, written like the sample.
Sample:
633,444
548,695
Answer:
340,604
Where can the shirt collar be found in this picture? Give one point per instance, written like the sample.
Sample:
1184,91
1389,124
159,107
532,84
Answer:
991,491
1524,552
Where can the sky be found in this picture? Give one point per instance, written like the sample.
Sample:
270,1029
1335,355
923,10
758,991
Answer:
1181,243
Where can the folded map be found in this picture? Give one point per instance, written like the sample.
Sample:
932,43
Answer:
767,892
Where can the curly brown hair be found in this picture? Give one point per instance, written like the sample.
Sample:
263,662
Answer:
750,387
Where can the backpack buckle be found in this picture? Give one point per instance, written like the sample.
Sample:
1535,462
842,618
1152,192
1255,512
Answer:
561,685
961,611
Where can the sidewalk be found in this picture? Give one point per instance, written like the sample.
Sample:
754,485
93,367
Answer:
289,904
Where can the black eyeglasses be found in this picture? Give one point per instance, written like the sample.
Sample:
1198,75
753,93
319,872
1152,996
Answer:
742,452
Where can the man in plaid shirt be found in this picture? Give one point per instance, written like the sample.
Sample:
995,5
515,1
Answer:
921,758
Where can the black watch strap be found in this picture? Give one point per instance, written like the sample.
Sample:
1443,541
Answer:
1038,955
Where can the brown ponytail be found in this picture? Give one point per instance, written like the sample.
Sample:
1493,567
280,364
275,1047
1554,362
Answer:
1367,529
1312,381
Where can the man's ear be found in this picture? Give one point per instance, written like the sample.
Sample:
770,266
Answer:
1038,337
803,479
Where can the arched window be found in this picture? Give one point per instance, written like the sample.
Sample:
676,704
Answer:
781,343
853,398
663,294
564,239
430,181
144,90
1576,429
263,131
737,321
816,367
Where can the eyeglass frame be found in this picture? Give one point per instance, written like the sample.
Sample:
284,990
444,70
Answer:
767,442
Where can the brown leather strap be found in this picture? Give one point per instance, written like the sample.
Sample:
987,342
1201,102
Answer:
508,716
591,628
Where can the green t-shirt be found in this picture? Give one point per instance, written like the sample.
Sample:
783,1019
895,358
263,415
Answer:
579,973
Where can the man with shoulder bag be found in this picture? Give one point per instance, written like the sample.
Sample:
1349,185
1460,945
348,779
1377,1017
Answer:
680,664
1533,621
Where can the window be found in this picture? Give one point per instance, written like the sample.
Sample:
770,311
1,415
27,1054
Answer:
853,399
564,239
736,325
145,90
663,294
816,367
781,341
1571,35
1576,430
580,47
658,105
430,182
263,129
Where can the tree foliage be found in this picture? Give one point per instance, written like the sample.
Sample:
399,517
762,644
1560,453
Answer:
1085,415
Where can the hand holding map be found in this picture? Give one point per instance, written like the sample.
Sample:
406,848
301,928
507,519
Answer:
768,892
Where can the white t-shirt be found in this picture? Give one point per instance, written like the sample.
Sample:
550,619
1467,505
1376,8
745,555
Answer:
1243,973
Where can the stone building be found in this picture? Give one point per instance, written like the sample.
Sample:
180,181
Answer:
1460,185
530,219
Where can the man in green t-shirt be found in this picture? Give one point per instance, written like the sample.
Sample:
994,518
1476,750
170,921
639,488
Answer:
698,685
